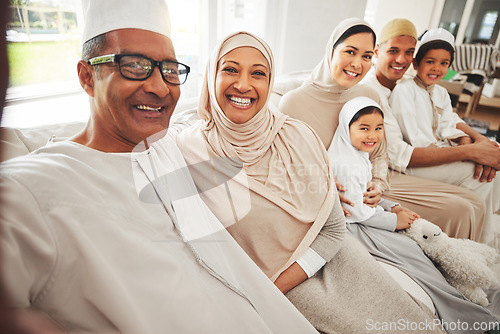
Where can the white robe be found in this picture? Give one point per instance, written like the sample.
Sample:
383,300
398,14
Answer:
412,107
86,239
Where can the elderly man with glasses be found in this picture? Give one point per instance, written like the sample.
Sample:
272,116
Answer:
105,232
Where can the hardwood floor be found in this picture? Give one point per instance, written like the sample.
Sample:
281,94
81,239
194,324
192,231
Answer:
488,110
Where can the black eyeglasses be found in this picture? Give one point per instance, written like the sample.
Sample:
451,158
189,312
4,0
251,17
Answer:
139,67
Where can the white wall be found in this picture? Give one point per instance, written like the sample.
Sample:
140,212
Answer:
299,30
296,30
425,14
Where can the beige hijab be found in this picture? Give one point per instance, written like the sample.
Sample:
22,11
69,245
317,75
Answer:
320,98
283,195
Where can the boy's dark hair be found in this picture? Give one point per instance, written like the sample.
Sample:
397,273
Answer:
368,110
435,45
353,31
93,47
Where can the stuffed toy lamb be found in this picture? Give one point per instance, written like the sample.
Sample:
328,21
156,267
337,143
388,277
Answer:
464,263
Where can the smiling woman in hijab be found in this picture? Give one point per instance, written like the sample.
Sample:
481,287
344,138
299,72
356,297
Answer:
268,179
333,82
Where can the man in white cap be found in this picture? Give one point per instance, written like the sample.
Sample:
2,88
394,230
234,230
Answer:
458,211
96,235
444,147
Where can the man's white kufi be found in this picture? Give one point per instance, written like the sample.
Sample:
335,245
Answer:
102,16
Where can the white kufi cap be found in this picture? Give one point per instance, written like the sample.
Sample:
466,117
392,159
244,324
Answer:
438,34
102,16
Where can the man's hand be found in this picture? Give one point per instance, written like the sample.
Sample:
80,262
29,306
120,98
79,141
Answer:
28,321
484,173
485,152
341,189
373,195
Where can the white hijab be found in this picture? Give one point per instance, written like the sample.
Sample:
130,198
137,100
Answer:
352,167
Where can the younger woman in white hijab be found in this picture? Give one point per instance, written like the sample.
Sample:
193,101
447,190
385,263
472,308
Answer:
360,131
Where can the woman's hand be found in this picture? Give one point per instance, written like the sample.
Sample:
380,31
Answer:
373,195
406,217
290,278
341,189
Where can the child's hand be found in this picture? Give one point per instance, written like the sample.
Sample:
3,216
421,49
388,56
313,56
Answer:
343,199
405,217
373,195
466,140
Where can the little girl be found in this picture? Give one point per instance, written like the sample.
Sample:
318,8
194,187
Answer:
360,131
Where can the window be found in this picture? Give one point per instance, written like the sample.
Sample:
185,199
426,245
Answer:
452,15
43,41
44,46
488,24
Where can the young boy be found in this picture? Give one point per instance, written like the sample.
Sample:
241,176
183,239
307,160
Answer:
426,118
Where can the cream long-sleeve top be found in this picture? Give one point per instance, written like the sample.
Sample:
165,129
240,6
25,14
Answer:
412,107
322,115
399,152
122,243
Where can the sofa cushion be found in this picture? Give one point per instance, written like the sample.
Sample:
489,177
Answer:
16,142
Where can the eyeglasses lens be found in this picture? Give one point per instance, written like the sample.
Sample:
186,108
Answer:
139,68
133,67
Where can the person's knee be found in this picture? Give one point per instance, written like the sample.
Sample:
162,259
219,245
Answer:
471,206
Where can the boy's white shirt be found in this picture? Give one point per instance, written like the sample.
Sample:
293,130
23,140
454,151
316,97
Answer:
412,108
